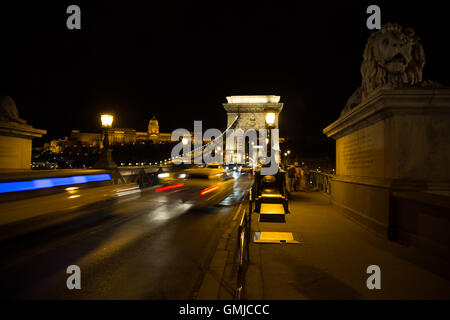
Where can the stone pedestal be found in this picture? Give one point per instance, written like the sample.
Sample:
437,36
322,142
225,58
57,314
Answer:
15,144
398,140
105,160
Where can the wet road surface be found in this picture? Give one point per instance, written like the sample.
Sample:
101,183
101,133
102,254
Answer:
150,247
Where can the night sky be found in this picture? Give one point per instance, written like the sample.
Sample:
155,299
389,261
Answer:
180,60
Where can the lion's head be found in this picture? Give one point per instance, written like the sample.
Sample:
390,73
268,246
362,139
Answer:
393,57
8,110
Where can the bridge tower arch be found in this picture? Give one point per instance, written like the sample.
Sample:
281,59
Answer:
249,112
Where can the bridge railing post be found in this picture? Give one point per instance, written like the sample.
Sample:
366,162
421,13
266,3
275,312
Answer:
243,243
321,181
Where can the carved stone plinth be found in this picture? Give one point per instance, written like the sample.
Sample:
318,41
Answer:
15,144
396,141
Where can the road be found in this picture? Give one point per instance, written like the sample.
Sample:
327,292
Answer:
146,248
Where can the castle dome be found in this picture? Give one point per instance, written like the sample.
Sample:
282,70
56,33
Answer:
153,122
153,126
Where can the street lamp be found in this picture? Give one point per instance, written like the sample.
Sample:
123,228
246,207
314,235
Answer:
270,119
105,161
185,141
270,124
107,120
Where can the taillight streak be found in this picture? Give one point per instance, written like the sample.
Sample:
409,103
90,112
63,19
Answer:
173,186
208,190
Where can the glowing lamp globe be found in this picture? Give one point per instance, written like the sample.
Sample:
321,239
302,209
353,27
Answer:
270,118
107,120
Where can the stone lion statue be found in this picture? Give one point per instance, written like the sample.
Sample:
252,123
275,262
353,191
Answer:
393,58
8,110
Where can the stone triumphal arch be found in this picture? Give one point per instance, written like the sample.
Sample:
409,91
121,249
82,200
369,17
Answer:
249,113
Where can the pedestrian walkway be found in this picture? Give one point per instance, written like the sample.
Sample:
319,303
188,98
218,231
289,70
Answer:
332,258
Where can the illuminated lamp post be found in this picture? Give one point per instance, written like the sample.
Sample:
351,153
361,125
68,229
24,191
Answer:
270,119
105,161
270,124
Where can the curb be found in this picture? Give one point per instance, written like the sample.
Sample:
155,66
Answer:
219,281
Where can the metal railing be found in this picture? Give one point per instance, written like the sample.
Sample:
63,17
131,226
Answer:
243,239
320,181
142,176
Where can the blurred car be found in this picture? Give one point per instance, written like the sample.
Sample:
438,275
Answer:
32,201
214,166
226,169
167,177
218,166
202,187
246,169
172,174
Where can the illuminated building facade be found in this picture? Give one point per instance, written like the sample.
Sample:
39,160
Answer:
121,136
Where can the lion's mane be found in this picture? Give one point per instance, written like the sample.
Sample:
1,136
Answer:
390,42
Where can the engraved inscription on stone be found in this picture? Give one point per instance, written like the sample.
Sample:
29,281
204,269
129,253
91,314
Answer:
358,152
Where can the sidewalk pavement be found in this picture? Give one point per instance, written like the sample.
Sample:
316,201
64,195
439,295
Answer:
332,259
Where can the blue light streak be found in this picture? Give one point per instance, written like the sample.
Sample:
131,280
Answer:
50,182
